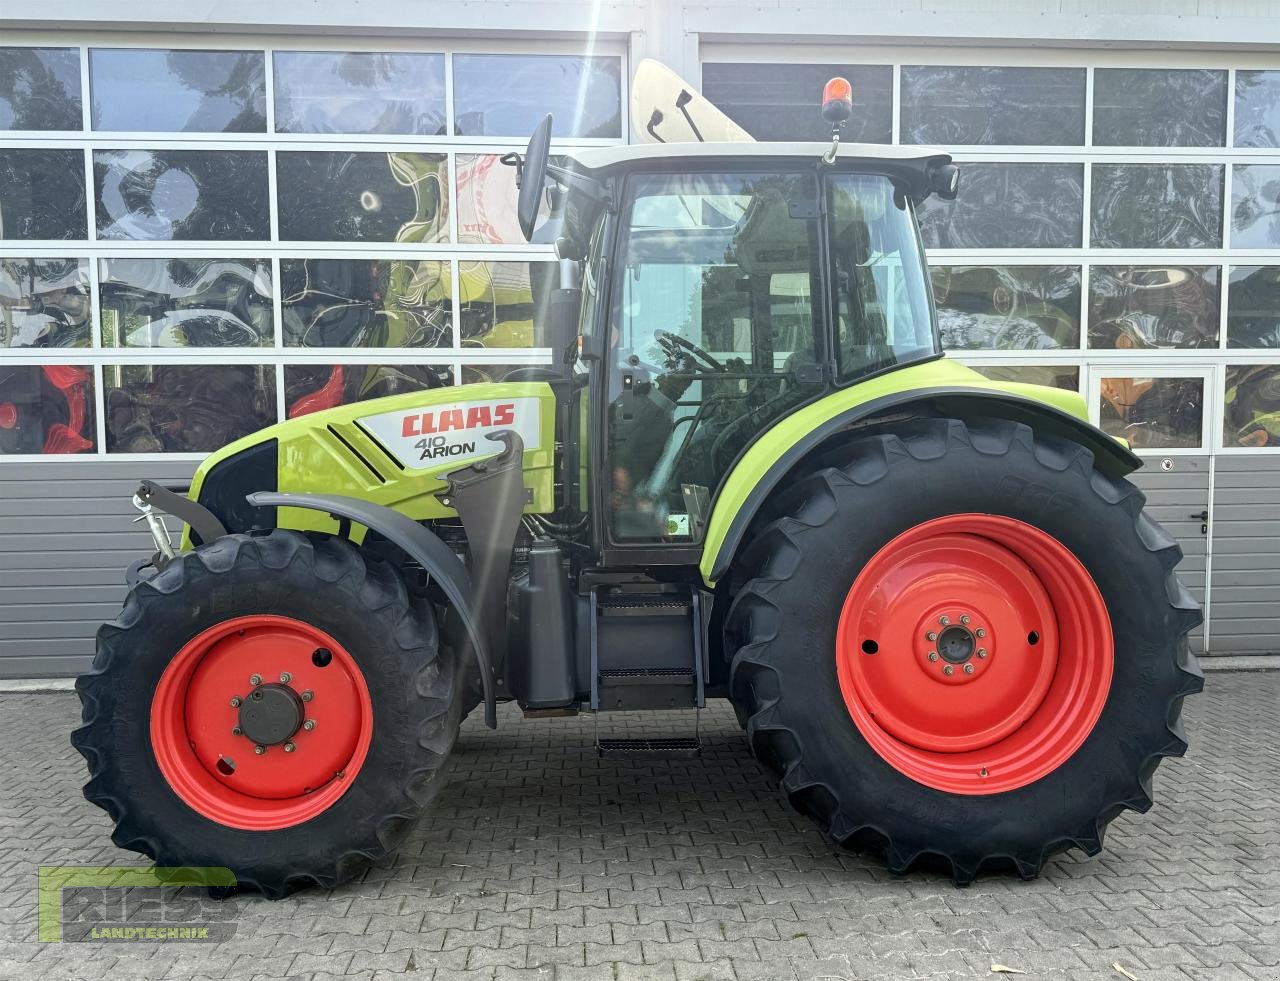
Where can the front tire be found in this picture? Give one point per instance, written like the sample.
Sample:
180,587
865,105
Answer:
990,749
274,705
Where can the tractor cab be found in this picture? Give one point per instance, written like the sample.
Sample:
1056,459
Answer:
718,288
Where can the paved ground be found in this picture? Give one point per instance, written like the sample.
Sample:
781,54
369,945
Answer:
544,863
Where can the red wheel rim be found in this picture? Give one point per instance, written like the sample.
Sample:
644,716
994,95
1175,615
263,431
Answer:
238,685
974,653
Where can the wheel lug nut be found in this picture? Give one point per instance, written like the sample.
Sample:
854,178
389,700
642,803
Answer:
235,701
259,750
933,655
980,632
982,652
255,679
930,636
289,747
964,619
948,670
237,731
944,620
285,677
309,724
307,695
968,669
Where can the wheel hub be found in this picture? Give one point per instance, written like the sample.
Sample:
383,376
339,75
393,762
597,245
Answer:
271,714
956,645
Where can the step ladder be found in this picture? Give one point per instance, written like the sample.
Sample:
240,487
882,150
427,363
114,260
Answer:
647,653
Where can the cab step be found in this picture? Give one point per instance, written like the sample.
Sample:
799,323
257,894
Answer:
680,747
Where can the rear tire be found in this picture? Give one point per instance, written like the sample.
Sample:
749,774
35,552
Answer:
158,724
885,778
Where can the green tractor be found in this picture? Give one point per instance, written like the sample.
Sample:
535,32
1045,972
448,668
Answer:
950,631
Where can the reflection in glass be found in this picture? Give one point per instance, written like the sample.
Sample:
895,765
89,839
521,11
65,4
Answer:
483,374
46,409
1159,107
185,408
44,303
487,205
508,94
1255,206
162,195
1010,308
1153,306
1257,116
1252,410
313,387
359,92
1253,307
1155,413
782,102
335,195
1052,375
185,302
42,194
1009,205
366,303
951,105
501,303
1156,206
154,90
40,89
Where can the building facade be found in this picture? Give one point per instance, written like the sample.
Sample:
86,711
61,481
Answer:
206,227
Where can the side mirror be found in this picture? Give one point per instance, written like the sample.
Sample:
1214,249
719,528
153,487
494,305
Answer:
533,177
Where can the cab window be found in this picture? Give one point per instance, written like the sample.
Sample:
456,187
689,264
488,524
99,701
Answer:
713,336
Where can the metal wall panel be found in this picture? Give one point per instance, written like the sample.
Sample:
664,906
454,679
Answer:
1173,496
65,540
1246,556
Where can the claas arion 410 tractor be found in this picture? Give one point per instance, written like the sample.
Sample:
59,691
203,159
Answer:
936,604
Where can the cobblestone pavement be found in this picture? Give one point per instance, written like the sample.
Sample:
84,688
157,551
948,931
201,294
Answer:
543,862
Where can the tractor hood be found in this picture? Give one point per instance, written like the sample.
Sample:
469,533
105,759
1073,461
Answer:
394,451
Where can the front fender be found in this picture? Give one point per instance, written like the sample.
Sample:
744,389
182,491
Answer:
423,547
767,462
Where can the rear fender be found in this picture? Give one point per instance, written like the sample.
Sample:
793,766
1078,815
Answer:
755,479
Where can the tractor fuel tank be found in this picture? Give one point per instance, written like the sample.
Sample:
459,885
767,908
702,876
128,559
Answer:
540,655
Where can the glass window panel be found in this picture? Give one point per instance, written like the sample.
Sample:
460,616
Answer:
40,88
336,195
1155,413
1255,206
185,408
484,374
502,303
951,105
1159,107
487,205
185,302
366,303
359,92
508,94
1156,206
313,387
1253,307
154,90
161,195
1257,118
784,102
42,194
1013,308
1053,375
1153,306
46,409
1252,410
1009,205
44,303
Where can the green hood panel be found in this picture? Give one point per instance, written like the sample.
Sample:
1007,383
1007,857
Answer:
773,445
396,451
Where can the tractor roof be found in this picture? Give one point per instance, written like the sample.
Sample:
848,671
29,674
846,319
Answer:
912,163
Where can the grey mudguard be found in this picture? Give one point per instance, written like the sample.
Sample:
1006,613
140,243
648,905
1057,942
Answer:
421,545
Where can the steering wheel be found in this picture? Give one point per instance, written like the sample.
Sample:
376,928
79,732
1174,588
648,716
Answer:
674,346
